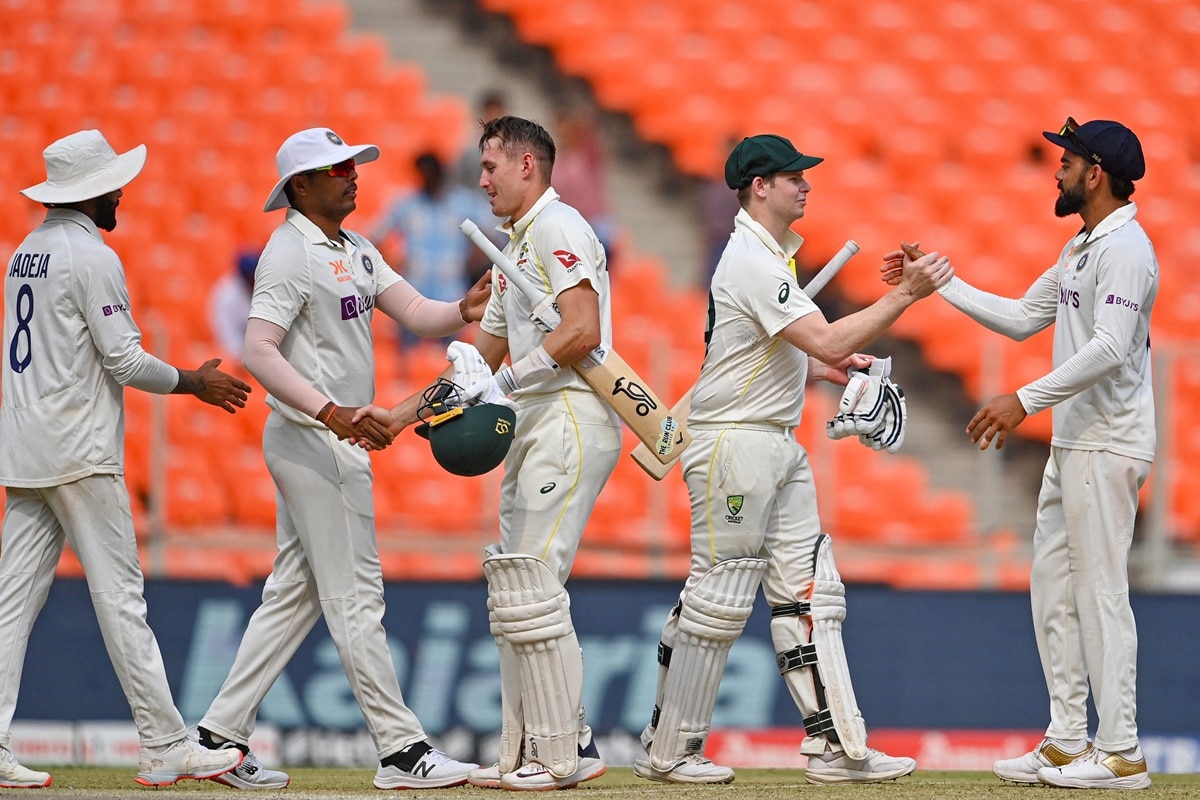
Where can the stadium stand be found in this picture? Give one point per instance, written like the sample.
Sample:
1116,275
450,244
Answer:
919,144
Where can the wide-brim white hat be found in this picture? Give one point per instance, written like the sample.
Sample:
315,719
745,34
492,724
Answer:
310,149
82,166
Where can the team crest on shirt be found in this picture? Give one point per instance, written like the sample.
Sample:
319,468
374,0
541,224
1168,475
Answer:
569,260
734,503
1079,265
367,265
334,138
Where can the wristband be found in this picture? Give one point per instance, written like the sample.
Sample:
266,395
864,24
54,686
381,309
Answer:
326,411
533,368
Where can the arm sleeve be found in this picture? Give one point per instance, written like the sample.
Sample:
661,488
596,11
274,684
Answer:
115,335
1121,274
424,317
268,366
1015,318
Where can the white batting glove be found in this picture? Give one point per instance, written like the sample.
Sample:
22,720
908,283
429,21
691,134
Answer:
861,409
487,390
890,434
469,366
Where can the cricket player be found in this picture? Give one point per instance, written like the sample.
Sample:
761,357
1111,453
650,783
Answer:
754,505
566,444
1098,296
309,343
70,348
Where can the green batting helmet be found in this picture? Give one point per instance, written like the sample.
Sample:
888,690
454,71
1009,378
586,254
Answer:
471,440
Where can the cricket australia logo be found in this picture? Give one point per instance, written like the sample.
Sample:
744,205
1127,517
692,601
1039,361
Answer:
635,392
734,503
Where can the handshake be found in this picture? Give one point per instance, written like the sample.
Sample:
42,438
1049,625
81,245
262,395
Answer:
872,407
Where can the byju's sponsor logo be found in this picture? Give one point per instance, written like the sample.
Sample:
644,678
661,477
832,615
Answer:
355,305
1114,300
115,308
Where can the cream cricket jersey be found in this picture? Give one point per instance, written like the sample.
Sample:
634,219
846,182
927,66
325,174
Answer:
70,345
749,374
322,292
555,247
1098,296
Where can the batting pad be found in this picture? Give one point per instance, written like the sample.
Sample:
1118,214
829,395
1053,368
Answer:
512,726
534,617
711,617
825,695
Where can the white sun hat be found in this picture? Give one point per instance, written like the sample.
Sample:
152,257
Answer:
310,149
82,166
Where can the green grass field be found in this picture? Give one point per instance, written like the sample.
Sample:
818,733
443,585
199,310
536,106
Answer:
619,784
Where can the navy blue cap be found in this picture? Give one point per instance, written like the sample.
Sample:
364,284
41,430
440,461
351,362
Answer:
1104,142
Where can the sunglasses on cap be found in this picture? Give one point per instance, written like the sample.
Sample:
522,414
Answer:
342,169
1070,130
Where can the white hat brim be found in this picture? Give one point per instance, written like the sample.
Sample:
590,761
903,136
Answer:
362,154
121,171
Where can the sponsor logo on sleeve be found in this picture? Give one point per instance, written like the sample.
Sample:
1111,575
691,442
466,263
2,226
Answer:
1114,300
567,258
115,308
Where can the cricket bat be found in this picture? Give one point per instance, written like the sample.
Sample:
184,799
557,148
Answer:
614,381
656,467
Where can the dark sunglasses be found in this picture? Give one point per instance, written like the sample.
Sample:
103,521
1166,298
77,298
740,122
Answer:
342,169
1070,130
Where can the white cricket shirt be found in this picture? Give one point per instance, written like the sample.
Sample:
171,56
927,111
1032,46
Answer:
750,375
1098,296
70,345
556,248
322,292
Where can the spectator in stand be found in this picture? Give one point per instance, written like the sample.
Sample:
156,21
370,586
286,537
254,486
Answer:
419,234
493,104
581,173
229,306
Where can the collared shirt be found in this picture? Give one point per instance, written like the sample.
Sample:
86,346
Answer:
1098,296
435,251
322,292
70,346
556,249
750,375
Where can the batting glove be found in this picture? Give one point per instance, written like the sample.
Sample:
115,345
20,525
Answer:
861,409
469,366
890,434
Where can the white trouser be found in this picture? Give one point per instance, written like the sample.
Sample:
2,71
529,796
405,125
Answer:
565,446
93,515
753,496
328,563
1079,589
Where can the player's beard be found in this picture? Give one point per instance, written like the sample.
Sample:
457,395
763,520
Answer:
1070,199
106,214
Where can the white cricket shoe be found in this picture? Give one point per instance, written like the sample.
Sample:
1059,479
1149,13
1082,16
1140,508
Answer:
691,769
1048,753
15,776
485,777
433,770
1100,770
186,759
841,768
533,777
251,774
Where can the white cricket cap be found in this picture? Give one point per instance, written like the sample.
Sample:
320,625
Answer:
310,149
82,166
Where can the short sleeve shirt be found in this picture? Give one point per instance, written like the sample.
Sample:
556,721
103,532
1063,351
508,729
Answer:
750,375
322,292
555,247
